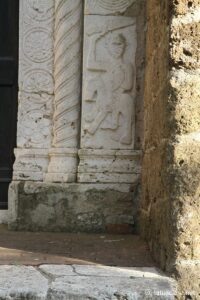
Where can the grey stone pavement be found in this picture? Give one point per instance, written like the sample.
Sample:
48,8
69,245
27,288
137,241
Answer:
94,282
62,266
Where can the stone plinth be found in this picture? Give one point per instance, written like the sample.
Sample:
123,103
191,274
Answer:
30,164
63,165
120,166
71,207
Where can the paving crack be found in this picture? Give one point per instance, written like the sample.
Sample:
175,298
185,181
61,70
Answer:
77,273
51,278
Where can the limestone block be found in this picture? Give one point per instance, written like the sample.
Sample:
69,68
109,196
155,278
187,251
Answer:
107,7
185,35
71,207
184,6
108,104
187,113
34,120
63,166
30,164
109,166
188,273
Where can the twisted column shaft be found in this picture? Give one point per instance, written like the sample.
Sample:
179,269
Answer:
67,76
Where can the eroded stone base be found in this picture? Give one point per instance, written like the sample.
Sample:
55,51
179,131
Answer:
38,206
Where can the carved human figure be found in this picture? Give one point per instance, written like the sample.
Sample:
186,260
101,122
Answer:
111,89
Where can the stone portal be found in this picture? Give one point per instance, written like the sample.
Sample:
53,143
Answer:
78,161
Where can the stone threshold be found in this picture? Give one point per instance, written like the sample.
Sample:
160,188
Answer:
46,265
59,282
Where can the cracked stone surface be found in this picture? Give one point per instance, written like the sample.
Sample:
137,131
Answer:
21,282
59,282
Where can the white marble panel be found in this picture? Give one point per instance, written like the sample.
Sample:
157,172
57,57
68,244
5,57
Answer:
36,89
36,46
34,120
108,101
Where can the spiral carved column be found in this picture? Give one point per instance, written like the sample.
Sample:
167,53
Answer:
67,75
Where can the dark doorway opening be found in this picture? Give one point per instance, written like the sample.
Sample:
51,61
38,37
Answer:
9,15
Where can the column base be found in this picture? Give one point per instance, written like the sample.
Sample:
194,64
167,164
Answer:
60,177
62,166
30,164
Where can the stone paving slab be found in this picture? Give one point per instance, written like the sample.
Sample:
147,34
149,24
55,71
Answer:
60,282
21,282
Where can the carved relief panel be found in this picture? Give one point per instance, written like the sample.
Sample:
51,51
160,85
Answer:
35,73
36,89
108,101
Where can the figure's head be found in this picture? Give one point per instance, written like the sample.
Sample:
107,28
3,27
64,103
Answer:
116,44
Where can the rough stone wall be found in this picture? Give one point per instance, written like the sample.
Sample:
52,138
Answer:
170,198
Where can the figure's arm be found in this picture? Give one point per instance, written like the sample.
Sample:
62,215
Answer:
92,63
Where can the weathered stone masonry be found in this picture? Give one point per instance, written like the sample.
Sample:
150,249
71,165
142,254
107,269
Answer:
171,165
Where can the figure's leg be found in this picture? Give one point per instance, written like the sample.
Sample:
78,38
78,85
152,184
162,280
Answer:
127,110
115,119
92,127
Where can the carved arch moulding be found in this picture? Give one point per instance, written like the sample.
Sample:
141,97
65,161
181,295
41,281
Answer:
56,141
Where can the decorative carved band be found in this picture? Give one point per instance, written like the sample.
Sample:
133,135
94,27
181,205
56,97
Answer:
67,64
106,7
